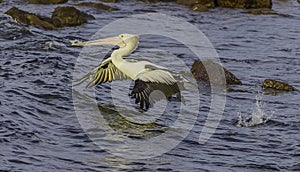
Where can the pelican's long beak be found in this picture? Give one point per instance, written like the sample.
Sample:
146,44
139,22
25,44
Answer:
105,41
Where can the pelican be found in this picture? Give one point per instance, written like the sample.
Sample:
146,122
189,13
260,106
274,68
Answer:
147,76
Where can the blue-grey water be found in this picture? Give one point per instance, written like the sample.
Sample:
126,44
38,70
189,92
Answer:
39,130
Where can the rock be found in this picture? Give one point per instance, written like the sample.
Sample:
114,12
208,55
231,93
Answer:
299,1
62,16
206,3
156,1
99,6
110,1
25,17
126,127
46,1
245,3
200,68
200,8
187,2
265,11
277,85
69,16
261,11
0,1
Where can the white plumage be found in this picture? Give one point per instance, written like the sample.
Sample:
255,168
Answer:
148,77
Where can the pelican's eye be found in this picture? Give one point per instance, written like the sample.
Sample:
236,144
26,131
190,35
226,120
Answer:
121,36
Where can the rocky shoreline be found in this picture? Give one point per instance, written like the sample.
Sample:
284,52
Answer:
71,16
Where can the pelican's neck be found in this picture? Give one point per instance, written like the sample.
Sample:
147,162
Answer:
117,55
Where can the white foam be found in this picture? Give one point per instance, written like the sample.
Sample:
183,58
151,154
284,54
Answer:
258,116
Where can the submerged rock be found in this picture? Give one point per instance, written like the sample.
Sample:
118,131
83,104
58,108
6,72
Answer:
156,1
69,16
200,68
266,11
199,7
123,126
25,17
277,85
220,3
99,6
206,3
46,1
245,3
110,1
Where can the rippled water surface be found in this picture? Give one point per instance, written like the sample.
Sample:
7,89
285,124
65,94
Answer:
39,130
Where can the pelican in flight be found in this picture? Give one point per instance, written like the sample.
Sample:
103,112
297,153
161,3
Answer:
147,76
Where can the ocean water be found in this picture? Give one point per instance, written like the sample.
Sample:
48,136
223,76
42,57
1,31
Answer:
40,131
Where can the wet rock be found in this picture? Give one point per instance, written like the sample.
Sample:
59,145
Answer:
25,17
0,1
245,3
98,6
299,1
277,85
200,8
109,1
69,16
266,11
193,3
145,11
156,1
200,68
46,1
128,128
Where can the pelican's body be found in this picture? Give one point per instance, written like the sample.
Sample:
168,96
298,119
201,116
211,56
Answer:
147,76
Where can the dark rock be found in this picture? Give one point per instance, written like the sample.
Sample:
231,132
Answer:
206,3
200,8
46,1
145,11
99,6
62,16
25,17
277,85
245,3
156,1
187,2
150,1
266,11
0,1
69,16
200,68
110,1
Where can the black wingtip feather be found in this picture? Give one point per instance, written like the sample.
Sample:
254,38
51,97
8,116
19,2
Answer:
142,90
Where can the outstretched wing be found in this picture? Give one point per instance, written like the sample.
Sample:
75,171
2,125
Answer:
156,73
154,84
147,93
105,72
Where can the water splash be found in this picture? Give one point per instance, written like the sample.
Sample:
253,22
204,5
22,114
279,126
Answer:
258,116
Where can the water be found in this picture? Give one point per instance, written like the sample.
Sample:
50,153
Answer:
258,116
39,130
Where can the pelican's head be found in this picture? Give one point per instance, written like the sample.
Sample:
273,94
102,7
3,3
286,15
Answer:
128,41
